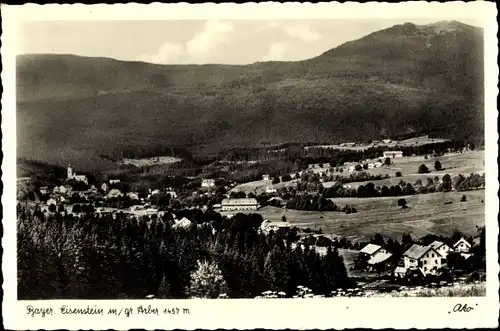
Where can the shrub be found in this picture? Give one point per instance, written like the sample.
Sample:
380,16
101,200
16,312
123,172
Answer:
463,199
402,203
438,166
358,167
422,169
398,174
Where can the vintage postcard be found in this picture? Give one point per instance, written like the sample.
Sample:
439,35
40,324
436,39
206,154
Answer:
301,166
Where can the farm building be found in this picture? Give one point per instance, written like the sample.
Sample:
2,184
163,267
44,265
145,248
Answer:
425,258
239,204
266,177
462,246
393,154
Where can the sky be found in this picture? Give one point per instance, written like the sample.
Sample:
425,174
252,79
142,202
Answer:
198,41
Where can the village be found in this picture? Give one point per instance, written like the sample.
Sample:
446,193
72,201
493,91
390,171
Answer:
369,263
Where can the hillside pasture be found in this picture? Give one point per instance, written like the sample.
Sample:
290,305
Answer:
260,186
427,214
453,164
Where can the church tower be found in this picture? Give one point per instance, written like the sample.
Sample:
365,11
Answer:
70,172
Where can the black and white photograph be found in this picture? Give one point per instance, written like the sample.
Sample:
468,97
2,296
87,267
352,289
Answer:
219,158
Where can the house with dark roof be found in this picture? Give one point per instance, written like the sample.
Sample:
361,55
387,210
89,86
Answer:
425,258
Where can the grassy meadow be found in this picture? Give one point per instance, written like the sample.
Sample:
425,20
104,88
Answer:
427,214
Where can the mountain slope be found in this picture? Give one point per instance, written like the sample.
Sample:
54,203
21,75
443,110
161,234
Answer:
407,78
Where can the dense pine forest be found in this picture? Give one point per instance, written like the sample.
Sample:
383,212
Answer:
118,257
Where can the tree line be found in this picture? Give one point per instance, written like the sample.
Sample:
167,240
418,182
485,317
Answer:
119,257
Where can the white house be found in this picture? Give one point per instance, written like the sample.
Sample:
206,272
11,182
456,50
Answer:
51,201
462,246
63,189
425,258
441,248
372,249
114,193
113,181
266,177
133,195
104,187
44,189
239,204
267,226
270,190
183,223
207,182
172,193
393,154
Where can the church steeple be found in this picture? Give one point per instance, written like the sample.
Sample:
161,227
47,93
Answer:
70,172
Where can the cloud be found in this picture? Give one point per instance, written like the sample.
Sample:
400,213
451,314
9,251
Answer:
277,51
204,47
302,32
295,31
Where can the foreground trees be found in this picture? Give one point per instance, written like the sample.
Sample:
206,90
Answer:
91,257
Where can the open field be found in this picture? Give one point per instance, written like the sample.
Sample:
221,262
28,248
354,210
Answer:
259,186
453,164
457,290
417,141
427,214
150,161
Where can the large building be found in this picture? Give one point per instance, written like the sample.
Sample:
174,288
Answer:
239,204
207,182
393,154
425,258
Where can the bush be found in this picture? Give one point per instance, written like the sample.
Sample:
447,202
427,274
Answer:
402,203
422,169
463,199
358,167
398,174
438,166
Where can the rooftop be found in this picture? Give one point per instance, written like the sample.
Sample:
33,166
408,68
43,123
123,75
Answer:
381,257
416,251
436,244
370,249
240,201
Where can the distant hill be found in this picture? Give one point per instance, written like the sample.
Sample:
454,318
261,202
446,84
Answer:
407,78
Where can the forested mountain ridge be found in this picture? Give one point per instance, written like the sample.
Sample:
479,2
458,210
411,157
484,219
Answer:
407,78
